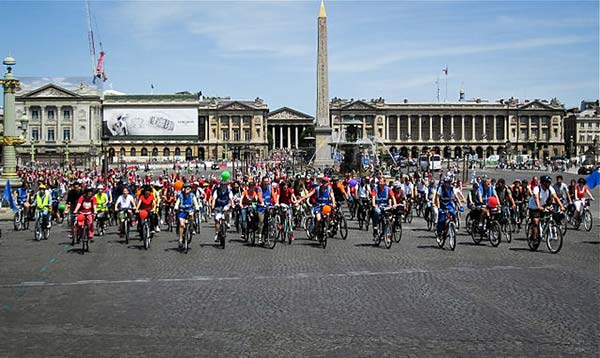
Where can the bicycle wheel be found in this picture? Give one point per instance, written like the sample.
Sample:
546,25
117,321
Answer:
361,219
380,233
418,209
38,232
468,223
270,239
309,222
533,243
146,236
46,233
507,231
84,240
554,238
388,236
494,234
17,221
429,222
342,227
475,235
452,236
397,230
409,217
587,220
126,229
440,239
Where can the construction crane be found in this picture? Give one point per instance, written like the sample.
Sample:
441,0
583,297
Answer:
97,61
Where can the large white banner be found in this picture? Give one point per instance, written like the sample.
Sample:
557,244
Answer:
158,121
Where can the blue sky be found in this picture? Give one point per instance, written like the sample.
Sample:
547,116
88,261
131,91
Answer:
389,49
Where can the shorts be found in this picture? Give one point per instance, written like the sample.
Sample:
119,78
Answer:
182,214
535,213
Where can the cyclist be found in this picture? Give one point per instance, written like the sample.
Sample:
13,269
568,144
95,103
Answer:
339,191
101,204
266,192
580,190
542,195
22,196
186,203
444,200
72,198
147,201
87,205
168,200
562,190
323,196
55,200
222,200
125,203
42,206
249,197
486,190
380,198
505,198
286,196
408,189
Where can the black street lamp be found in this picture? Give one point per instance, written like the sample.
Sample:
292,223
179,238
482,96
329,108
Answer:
104,139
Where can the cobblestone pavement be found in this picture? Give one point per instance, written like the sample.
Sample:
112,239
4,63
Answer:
349,300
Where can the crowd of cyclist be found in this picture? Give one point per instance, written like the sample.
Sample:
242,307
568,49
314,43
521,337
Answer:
177,200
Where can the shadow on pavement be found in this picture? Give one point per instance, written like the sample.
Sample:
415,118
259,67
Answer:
591,242
527,249
428,247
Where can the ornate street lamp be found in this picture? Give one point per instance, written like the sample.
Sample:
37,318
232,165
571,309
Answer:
10,138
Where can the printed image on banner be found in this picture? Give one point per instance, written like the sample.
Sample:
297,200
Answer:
150,121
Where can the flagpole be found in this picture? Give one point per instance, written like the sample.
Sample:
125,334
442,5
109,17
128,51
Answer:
446,72
437,82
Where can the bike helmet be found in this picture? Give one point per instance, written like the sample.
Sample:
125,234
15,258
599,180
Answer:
397,185
100,187
581,181
545,179
42,186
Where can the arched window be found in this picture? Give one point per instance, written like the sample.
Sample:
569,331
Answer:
188,153
177,151
133,152
155,152
144,152
122,152
111,152
166,152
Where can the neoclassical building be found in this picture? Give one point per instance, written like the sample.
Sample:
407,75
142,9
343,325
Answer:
232,128
285,126
486,128
64,124
582,130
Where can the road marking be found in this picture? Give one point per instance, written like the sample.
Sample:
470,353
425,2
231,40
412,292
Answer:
349,274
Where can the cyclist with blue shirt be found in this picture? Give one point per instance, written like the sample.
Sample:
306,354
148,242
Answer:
485,192
444,200
265,191
186,203
22,196
324,196
380,198
222,199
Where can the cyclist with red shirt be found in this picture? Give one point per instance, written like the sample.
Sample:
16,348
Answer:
580,190
287,197
147,202
86,205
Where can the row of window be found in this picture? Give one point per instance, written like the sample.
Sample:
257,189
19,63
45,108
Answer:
590,139
144,152
590,125
50,114
236,135
50,134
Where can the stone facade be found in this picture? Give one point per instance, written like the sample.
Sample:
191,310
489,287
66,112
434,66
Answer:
447,128
582,130
286,125
63,124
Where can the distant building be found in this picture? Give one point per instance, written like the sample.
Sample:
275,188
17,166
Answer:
582,130
63,123
502,127
285,126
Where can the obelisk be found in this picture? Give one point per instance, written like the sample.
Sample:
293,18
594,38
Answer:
323,127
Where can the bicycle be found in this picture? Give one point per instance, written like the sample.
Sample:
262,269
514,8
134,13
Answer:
102,221
220,218
81,232
285,228
407,215
251,224
397,225
352,207
419,205
270,227
506,225
145,235
125,221
187,233
428,215
449,233
42,231
548,230
363,214
385,233
490,228
171,219
585,217
338,224
20,220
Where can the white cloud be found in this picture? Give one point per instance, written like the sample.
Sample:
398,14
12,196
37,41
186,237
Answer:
237,28
357,61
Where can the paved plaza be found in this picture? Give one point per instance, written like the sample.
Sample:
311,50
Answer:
349,300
